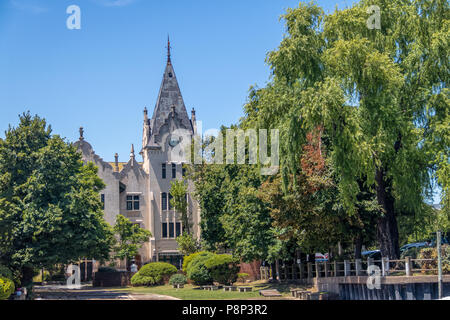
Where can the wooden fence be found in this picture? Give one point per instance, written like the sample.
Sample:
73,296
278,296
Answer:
358,267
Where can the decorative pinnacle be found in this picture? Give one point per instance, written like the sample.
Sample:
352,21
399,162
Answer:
81,133
132,151
168,49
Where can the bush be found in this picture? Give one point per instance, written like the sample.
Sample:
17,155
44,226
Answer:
6,288
139,280
242,276
106,269
188,259
223,268
197,272
177,279
153,273
5,272
431,253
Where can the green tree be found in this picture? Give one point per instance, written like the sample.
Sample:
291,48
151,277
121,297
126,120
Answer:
187,244
178,191
130,238
50,209
380,96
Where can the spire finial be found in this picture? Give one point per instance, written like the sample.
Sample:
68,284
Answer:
168,49
81,133
132,151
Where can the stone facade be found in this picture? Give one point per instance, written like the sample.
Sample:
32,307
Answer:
138,190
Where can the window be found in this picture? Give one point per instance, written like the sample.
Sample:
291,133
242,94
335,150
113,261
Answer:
174,170
136,202
129,202
171,230
102,199
164,201
163,171
170,203
183,171
132,202
164,229
178,229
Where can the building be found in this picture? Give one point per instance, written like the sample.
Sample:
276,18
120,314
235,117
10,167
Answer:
140,190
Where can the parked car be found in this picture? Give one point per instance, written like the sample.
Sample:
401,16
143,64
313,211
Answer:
321,257
412,249
374,254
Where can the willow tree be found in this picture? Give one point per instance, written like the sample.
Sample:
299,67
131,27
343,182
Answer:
380,94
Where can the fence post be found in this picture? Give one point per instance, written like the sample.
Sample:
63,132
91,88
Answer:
385,266
335,266
408,266
317,269
346,268
358,266
309,266
325,264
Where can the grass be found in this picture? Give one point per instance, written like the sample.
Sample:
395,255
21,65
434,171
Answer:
190,292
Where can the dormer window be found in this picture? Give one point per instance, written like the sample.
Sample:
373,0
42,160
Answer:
170,74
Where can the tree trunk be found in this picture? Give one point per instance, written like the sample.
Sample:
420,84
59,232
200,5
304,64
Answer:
358,246
387,230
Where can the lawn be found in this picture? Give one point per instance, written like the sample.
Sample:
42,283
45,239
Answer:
190,292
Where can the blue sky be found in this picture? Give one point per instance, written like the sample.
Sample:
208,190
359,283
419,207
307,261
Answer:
101,76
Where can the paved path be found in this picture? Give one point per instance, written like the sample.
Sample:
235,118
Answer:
56,292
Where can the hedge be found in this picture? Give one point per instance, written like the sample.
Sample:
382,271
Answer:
6,288
197,272
153,273
5,272
431,253
188,259
223,268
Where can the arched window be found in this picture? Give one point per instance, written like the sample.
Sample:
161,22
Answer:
163,201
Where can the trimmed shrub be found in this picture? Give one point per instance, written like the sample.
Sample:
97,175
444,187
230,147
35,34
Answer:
197,272
5,272
153,273
188,259
139,280
223,268
177,279
6,288
242,276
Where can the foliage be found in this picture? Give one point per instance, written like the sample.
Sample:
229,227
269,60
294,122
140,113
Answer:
223,268
178,279
5,272
197,271
431,253
187,244
155,272
6,288
131,237
242,276
178,190
50,209
188,259
380,96
140,280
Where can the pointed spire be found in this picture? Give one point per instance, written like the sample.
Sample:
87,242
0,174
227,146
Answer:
168,50
81,133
